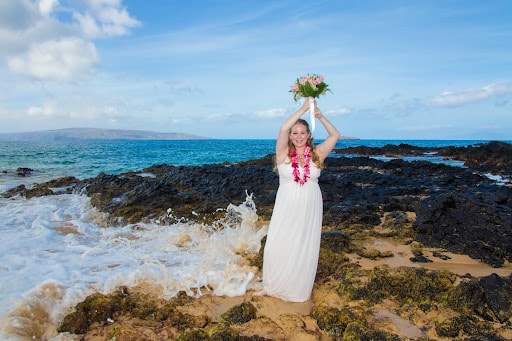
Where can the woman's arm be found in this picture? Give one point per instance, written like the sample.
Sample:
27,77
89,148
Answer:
282,137
325,148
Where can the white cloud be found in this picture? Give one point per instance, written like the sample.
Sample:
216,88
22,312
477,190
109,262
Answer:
499,88
338,112
270,113
77,107
105,18
61,60
40,43
47,111
451,99
16,14
90,112
46,6
21,24
87,24
220,117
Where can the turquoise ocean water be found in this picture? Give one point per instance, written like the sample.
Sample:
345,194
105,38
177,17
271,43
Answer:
85,159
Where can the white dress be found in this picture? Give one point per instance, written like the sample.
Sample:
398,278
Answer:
290,257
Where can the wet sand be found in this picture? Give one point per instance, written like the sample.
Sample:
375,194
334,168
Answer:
457,264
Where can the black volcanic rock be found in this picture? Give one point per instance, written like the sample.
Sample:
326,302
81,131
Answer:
493,156
478,224
23,171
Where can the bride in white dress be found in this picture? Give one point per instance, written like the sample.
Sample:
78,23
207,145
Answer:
293,240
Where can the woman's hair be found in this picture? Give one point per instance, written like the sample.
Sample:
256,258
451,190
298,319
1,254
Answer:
314,156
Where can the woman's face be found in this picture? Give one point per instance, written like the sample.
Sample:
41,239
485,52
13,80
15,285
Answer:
299,135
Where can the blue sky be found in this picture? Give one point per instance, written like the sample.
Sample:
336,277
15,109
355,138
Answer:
437,69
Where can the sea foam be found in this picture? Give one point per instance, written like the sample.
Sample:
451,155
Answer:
56,250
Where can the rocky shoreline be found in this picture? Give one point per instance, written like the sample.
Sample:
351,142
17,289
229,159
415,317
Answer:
435,211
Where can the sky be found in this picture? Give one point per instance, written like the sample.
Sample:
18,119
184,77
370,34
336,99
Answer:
437,69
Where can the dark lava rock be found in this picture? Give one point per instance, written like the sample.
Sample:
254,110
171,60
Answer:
405,284
455,326
420,258
240,314
478,224
65,185
335,241
23,171
494,155
440,255
188,190
489,297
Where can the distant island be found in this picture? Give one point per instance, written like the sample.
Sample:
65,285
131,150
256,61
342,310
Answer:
77,134
80,134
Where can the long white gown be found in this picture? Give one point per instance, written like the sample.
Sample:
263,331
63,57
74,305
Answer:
290,257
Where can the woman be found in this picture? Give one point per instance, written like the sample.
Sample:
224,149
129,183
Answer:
293,240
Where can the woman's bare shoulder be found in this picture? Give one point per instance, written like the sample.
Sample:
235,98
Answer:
281,156
281,159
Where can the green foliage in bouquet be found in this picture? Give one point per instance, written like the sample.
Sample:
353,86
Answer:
310,85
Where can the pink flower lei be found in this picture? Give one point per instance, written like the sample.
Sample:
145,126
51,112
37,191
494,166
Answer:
295,165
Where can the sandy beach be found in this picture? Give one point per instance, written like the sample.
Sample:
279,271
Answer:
276,319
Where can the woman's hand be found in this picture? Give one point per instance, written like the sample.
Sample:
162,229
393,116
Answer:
305,105
318,113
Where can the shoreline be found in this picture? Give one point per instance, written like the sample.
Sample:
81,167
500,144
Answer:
275,319
409,250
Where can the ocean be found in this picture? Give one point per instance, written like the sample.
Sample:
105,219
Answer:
56,250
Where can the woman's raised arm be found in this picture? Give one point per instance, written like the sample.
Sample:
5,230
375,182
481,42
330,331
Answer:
325,148
282,137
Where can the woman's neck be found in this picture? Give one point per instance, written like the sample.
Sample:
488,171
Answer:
300,150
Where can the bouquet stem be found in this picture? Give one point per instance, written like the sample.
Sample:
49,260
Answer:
312,113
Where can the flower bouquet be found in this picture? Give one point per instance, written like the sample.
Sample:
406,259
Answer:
310,86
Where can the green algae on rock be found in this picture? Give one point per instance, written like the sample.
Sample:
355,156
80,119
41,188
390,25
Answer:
240,314
99,310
